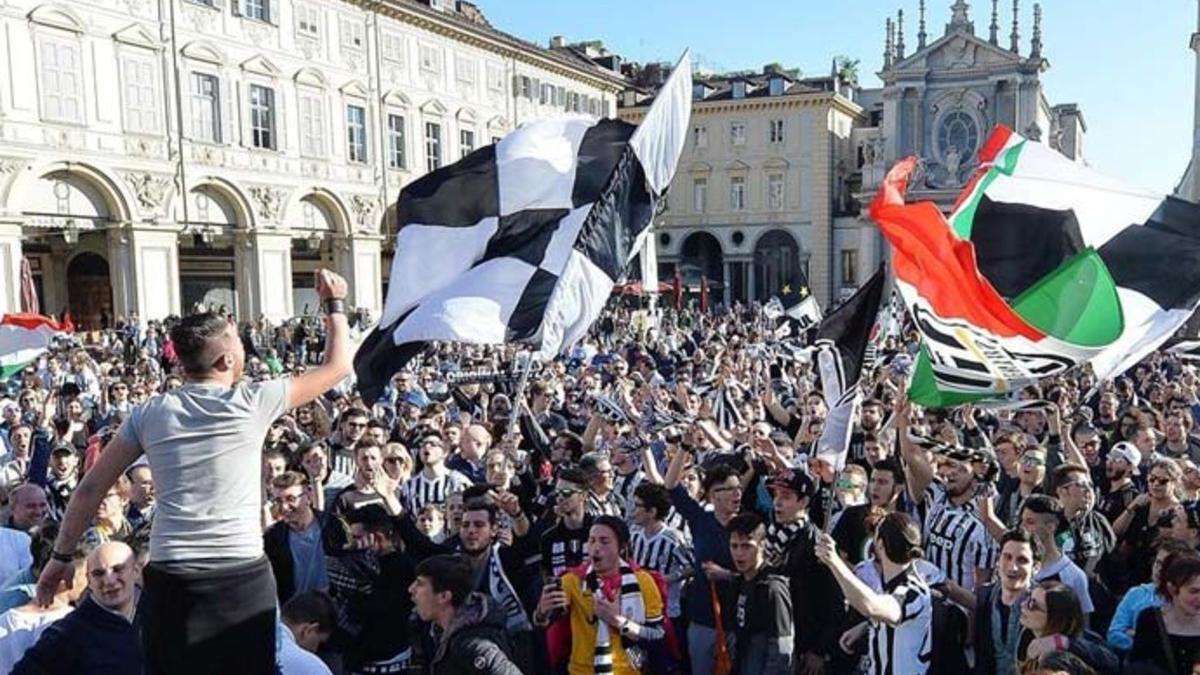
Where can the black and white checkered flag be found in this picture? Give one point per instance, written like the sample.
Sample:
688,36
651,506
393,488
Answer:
522,241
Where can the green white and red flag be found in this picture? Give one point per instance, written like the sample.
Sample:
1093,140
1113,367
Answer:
25,337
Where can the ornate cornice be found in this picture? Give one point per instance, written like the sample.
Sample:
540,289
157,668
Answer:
824,100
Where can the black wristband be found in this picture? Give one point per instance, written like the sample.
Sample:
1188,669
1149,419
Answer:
334,306
62,557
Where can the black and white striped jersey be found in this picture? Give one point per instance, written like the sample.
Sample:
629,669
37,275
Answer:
421,490
906,647
667,552
955,538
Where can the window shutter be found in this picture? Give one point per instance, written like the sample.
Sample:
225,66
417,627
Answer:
235,6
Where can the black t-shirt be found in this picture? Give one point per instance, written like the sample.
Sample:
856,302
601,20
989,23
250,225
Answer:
763,609
1091,539
851,533
564,548
1116,501
1148,648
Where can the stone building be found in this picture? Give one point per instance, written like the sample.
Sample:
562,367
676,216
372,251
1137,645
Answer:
754,200
159,155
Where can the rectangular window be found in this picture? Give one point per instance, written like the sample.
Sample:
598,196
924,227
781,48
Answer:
206,108
466,142
62,82
495,77
464,69
356,133
737,133
775,135
433,146
737,193
525,87
312,125
393,47
700,137
259,10
354,34
396,158
141,98
431,59
775,192
308,21
849,267
545,94
262,117
699,194
776,86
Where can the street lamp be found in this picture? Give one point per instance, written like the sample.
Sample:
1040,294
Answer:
314,241
207,235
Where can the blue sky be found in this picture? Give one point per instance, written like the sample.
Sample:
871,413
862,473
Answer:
1125,62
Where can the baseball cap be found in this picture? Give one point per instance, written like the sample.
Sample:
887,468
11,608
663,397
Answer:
1128,452
794,480
416,398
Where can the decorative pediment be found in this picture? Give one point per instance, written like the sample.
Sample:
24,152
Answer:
354,88
261,65
396,98
737,165
776,163
138,36
57,16
498,122
958,51
465,115
200,50
700,167
311,77
433,107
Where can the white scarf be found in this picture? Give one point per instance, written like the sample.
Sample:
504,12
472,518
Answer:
633,608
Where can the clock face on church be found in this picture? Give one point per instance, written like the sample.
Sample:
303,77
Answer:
958,134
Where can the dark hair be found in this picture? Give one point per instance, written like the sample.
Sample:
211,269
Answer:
354,412
191,337
481,504
618,527
1063,474
289,479
572,474
1022,537
373,518
311,607
892,466
655,498
1044,505
450,573
715,475
748,525
1064,662
1179,568
41,543
900,537
1064,615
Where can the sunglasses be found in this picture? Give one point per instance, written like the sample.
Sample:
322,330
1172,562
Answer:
565,493
1158,480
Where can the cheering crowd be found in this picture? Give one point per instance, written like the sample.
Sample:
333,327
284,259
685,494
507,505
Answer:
648,503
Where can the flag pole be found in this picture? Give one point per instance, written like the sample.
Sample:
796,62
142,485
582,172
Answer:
519,394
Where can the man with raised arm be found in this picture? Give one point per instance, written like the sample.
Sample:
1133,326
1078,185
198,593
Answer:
210,595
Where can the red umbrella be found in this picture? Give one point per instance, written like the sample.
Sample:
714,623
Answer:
29,298
703,293
677,289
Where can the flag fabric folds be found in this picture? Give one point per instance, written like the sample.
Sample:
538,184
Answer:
523,240
25,337
1043,265
840,350
795,302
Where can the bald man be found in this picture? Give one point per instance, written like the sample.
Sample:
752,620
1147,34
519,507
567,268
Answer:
472,448
100,635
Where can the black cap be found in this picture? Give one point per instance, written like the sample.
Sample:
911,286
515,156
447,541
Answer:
794,480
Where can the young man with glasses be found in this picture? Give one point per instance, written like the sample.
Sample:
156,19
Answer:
564,542
1091,535
602,498
350,431
436,481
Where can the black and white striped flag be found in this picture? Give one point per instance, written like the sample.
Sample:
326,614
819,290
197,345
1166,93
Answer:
841,347
522,241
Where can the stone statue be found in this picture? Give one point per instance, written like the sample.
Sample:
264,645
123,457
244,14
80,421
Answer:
953,160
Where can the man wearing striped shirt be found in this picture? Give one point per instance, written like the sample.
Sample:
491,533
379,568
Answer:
657,546
956,540
435,482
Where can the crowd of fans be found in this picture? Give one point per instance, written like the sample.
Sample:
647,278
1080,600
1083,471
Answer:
647,503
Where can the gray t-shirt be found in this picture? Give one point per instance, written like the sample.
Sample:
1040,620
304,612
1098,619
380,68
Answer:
204,446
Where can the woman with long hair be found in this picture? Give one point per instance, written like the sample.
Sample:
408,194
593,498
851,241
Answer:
1168,637
1053,621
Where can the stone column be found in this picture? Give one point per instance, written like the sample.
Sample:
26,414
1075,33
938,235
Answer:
263,266
122,272
155,253
728,292
357,258
10,267
649,259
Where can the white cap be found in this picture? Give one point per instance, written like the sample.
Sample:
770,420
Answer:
1128,452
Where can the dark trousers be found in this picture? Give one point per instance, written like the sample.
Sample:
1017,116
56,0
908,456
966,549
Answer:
210,621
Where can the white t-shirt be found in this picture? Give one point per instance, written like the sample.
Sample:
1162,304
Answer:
294,660
204,445
1067,572
20,630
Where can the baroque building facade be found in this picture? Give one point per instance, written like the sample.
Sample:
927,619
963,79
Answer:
159,156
